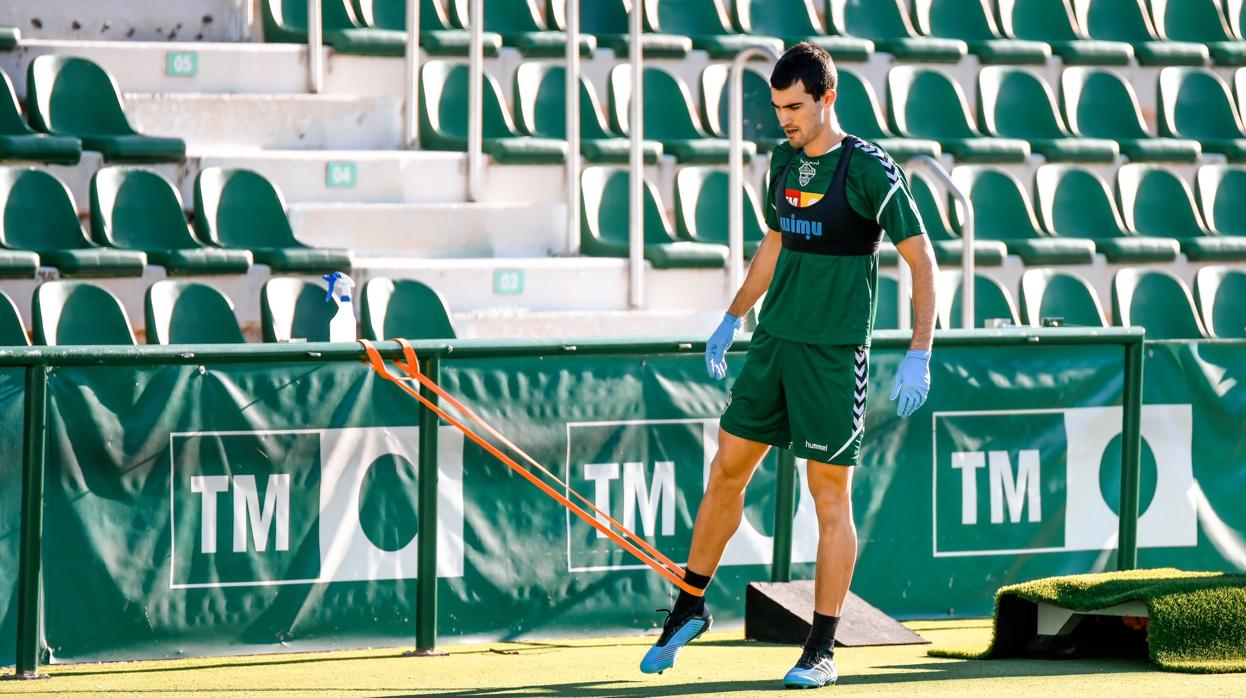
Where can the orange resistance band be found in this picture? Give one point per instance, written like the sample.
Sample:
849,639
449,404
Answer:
651,557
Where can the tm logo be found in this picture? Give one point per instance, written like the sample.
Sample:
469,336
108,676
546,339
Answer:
1049,480
649,475
304,506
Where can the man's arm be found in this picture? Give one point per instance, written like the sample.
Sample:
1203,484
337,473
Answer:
760,272
919,255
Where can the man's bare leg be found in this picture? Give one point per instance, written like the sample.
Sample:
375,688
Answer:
722,506
831,487
718,517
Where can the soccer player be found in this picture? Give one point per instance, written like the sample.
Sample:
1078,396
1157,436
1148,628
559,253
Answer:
803,383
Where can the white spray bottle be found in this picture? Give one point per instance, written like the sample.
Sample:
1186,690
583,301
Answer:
342,327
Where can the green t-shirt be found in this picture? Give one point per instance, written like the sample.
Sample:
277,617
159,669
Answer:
823,299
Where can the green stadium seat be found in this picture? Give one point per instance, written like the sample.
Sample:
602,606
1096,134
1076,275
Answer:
1221,194
1219,291
137,209
887,305
1049,294
677,129
607,20
926,103
20,142
1157,300
519,24
1155,201
402,308
70,96
991,301
293,309
605,224
1199,21
1002,211
12,331
973,22
10,37
76,313
760,124
948,246
1195,103
443,118
1130,21
702,210
1101,104
1052,22
886,24
794,21
285,21
541,111
1074,202
39,215
859,114
437,36
706,24
189,312
1017,103
240,210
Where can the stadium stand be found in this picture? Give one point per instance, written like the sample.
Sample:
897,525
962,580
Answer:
18,141
974,23
189,312
294,309
1219,291
12,331
1156,300
606,219
40,216
241,210
137,209
1049,294
701,209
72,96
404,308
79,312
992,302
1092,135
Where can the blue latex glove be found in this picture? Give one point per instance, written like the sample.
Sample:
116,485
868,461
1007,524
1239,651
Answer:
718,344
912,382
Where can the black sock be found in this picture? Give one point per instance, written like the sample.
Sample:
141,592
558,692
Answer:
687,603
822,634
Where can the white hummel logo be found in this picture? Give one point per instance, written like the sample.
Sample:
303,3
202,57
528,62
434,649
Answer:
816,447
807,171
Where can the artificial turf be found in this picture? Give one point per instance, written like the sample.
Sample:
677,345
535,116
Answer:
1197,620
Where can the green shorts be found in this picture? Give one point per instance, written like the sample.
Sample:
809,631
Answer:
808,397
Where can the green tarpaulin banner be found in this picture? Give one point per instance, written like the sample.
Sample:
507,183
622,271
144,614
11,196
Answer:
256,508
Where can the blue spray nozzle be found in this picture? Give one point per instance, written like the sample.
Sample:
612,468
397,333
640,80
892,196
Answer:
332,279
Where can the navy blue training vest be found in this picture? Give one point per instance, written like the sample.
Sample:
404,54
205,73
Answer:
830,226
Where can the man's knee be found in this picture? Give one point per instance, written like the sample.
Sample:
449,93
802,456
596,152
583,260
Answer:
831,487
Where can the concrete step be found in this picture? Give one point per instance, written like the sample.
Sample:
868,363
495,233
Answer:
291,122
434,230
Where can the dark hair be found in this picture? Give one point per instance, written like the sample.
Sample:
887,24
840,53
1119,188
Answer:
808,63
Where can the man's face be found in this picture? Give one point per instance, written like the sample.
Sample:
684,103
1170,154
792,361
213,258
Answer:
800,114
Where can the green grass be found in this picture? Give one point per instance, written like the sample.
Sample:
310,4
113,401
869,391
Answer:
719,664
1197,619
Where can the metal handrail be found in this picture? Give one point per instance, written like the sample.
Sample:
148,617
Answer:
735,176
636,161
967,247
475,101
573,126
315,52
410,133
